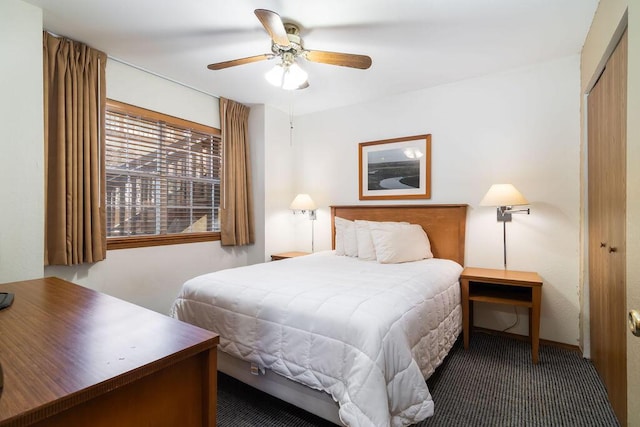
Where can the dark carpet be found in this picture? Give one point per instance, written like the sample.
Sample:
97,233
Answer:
493,383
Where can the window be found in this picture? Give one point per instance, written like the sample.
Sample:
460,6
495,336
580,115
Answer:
162,178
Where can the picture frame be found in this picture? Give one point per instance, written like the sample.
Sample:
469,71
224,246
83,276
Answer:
395,169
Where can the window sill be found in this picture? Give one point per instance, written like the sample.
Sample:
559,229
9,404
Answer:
114,243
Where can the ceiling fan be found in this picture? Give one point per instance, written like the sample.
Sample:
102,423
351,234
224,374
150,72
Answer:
286,44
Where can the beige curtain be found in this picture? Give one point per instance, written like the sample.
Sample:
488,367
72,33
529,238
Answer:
236,211
74,108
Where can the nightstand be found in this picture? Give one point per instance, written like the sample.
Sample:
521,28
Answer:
285,255
520,288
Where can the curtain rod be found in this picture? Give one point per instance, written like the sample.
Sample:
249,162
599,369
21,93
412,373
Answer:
147,71
160,76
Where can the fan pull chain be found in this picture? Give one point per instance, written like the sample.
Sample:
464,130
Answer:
291,120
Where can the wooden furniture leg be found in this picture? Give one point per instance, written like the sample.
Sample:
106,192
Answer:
467,320
534,321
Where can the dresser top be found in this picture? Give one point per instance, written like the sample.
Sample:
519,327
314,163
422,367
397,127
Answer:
62,344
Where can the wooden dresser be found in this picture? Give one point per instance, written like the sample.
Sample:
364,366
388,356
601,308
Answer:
72,356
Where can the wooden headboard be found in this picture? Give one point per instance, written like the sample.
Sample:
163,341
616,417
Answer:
444,224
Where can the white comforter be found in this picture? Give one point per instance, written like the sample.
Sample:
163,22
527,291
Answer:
367,333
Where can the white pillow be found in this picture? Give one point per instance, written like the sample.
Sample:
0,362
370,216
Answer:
346,240
339,236
395,244
366,251
366,248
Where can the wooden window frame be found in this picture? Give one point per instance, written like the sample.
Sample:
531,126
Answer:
139,241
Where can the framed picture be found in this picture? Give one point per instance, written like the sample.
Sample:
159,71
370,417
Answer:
395,168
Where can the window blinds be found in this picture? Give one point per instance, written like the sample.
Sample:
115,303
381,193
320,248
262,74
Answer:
162,178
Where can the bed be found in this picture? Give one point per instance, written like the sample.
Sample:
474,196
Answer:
324,328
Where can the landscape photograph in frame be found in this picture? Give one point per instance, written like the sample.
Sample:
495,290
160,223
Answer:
398,168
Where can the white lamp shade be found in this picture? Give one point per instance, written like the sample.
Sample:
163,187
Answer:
294,77
288,77
302,202
275,75
503,195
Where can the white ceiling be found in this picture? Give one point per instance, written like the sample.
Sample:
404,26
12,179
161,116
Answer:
414,44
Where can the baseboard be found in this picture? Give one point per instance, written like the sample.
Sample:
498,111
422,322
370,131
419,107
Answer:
526,338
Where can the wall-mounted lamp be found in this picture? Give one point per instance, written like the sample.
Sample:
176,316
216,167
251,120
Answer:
505,197
303,204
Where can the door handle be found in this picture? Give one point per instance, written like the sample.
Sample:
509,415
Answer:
634,322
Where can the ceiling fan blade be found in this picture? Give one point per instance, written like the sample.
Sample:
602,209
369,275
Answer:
273,24
241,61
335,58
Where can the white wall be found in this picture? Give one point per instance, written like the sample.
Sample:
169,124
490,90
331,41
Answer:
280,223
152,277
21,143
520,126
137,87
272,155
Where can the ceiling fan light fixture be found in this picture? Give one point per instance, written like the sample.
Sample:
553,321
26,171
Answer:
275,75
287,76
287,45
294,77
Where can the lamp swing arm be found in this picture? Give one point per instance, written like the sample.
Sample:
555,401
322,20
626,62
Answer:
504,212
511,210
